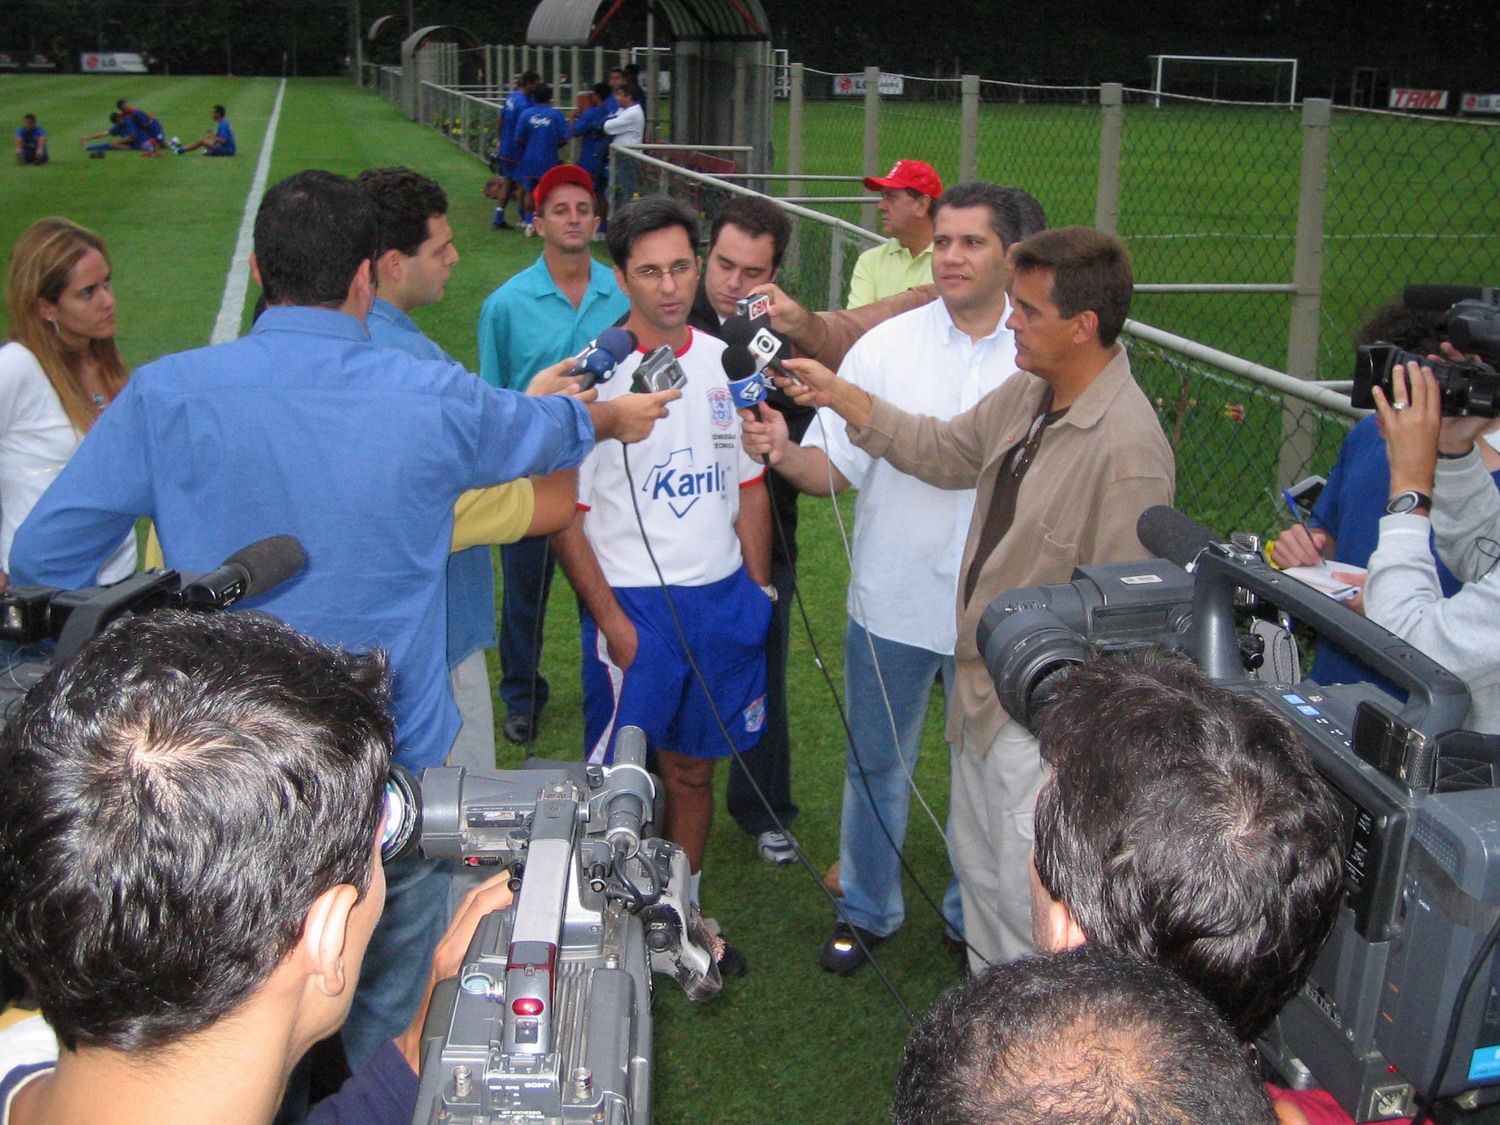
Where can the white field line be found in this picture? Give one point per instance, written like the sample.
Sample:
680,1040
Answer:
227,326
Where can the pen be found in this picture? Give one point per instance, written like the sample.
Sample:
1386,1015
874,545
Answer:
1286,494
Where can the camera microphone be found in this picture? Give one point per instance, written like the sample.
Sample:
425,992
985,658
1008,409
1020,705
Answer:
1170,535
597,362
1438,298
249,571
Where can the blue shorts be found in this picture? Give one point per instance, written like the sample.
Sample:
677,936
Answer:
725,624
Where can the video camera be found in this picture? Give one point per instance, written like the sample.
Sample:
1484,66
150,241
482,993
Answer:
1468,387
50,625
1418,796
549,1019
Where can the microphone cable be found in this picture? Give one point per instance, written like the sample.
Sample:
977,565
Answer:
698,676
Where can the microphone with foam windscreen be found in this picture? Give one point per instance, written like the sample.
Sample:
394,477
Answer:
1170,535
747,377
597,362
249,571
756,337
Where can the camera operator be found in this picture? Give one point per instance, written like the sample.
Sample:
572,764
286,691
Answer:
1089,1035
1439,481
190,873
1185,824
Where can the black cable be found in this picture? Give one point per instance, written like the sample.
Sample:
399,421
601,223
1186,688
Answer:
1425,1103
734,750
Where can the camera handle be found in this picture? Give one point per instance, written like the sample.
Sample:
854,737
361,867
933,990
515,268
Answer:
1436,700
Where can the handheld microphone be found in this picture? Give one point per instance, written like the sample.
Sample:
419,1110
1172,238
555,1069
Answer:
1170,535
756,338
747,377
249,571
597,362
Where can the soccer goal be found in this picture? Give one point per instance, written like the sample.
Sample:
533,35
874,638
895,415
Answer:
1224,77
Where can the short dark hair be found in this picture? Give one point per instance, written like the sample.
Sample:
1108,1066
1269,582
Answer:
1014,214
1186,824
405,201
756,216
633,92
312,231
1084,1037
176,797
528,78
1090,272
644,216
220,111
29,117
602,90
542,94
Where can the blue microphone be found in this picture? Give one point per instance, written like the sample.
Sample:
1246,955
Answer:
597,362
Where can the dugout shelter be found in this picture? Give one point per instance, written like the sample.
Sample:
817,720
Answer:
722,75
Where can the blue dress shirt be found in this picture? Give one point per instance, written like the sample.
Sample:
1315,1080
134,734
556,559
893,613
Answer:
471,574
305,427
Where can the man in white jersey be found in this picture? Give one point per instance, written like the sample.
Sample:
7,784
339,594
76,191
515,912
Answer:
937,360
670,552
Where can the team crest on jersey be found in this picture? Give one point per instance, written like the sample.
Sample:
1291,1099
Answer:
680,483
721,408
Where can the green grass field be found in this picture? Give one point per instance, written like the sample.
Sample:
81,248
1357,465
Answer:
789,1043
1209,194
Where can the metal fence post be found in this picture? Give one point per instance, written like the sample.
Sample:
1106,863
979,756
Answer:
968,140
1111,134
835,269
794,158
872,139
1307,277
737,106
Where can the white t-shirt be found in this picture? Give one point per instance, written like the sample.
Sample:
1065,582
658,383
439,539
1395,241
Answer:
627,125
688,475
36,441
909,536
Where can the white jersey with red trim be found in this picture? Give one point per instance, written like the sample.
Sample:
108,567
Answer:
687,476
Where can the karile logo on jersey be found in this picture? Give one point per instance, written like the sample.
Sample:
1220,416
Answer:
681,484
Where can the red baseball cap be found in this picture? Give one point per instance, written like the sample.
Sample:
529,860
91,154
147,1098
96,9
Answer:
913,174
557,176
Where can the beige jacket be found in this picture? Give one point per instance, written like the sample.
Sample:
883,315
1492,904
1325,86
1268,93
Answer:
1097,469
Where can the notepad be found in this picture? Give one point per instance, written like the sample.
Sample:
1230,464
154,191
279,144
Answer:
1322,577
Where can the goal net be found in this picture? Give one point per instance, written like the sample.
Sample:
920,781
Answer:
1224,78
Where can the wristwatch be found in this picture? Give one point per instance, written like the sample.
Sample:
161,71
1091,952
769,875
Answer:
769,591
1409,501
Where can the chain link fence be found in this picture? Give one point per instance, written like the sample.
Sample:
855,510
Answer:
1204,193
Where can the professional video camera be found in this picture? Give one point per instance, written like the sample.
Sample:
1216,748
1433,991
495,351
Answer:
549,1019
1467,388
50,625
1421,909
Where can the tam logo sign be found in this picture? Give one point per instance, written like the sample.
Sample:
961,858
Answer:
1418,99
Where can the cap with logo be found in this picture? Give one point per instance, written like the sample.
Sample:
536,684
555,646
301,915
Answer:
558,175
914,174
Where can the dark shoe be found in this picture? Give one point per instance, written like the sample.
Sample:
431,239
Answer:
520,729
842,954
733,963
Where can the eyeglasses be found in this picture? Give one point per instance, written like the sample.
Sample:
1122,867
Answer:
652,275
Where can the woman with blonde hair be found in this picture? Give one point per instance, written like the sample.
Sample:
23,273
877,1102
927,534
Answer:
59,368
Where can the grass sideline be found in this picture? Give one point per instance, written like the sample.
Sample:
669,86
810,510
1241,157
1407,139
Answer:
787,1043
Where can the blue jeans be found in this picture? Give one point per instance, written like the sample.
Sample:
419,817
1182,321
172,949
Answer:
527,566
399,958
770,763
869,871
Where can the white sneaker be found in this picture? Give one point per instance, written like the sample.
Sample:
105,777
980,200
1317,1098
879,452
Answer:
777,847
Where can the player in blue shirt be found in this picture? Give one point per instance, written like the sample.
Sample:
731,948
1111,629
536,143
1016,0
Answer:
31,142
149,127
593,141
123,133
218,143
543,130
507,154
